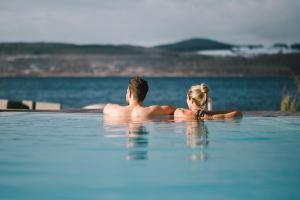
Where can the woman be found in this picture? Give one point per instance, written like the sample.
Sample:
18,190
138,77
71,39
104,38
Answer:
197,98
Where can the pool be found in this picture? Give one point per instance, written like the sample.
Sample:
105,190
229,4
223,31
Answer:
88,156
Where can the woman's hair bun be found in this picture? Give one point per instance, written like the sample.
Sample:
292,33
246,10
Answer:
204,88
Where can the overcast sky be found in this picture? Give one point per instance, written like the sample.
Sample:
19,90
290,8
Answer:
150,22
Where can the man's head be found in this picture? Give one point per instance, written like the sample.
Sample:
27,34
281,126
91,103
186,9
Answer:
137,89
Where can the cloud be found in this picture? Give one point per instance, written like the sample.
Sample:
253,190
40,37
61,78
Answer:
150,22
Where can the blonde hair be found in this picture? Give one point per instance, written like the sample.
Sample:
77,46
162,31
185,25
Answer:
199,94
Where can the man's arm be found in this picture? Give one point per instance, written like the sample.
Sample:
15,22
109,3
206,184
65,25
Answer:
161,110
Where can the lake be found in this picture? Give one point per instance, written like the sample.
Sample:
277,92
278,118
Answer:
244,93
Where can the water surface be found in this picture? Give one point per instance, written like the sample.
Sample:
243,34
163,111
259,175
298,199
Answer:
244,93
88,156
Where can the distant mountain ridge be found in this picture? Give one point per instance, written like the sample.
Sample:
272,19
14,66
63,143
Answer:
63,48
195,44
190,45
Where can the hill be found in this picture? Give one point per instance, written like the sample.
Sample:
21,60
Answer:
64,48
296,46
178,59
196,44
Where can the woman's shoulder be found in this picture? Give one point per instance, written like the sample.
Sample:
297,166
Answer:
182,112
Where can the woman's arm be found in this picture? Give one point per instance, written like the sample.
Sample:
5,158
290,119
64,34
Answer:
222,114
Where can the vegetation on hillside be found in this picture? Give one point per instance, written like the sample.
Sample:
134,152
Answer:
63,48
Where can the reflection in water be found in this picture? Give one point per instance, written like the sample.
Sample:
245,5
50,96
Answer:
137,135
137,142
197,139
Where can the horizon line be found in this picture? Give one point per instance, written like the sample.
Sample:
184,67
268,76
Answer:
140,45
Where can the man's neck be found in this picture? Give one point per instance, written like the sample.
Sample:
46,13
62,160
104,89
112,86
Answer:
135,103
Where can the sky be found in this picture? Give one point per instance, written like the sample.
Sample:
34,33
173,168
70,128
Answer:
150,22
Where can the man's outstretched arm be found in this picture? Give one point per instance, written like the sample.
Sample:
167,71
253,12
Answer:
162,110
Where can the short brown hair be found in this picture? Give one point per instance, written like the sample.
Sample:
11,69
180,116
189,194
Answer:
138,88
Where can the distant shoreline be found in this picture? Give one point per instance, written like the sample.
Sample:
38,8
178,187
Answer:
167,65
181,59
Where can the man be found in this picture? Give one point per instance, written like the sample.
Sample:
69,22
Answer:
136,93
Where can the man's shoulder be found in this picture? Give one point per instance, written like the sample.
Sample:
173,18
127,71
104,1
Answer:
153,107
143,111
110,105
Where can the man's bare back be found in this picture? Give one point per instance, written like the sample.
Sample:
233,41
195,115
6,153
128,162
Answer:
136,93
137,110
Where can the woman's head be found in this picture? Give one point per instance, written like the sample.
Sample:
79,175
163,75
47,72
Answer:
197,97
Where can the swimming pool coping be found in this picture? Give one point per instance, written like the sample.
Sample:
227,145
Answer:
262,113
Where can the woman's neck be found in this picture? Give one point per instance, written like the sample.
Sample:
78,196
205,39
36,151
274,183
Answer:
195,110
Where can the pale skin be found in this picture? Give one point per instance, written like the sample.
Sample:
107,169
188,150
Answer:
189,114
135,108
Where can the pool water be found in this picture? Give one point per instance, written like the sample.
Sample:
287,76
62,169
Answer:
89,156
